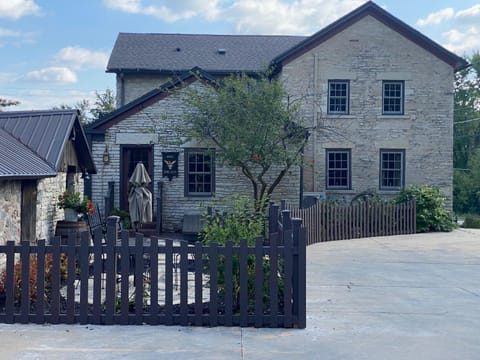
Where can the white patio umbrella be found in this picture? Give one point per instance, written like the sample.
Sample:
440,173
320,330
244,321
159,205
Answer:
139,197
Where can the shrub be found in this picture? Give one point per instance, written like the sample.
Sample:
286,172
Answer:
238,220
472,221
431,213
33,276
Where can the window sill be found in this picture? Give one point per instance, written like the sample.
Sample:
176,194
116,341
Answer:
340,116
393,116
339,191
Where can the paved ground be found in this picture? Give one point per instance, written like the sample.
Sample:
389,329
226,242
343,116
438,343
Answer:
401,297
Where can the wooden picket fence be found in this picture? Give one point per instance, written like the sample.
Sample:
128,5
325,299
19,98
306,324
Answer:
326,221
174,283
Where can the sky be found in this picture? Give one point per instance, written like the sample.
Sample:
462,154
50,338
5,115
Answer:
55,52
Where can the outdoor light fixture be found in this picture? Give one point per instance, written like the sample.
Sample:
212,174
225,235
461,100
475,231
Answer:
85,175
106,156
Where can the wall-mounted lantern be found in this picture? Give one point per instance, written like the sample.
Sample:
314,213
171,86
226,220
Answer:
106,156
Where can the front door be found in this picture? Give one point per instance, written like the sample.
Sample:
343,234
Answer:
130,156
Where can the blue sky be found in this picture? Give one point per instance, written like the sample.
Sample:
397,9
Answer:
55,52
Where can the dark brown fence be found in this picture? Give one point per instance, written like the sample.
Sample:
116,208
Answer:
326,222
154,281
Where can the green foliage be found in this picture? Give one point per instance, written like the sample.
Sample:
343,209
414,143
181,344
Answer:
7,102
472,221
238,220
71,199
124,217
431,213
252,124
104,103
466,187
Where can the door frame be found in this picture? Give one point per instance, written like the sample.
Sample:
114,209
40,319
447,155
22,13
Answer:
123,195
28,210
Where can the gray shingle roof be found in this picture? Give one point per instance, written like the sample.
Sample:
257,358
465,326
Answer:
179,52
44,135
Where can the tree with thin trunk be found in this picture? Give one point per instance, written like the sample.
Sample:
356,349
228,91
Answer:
252,124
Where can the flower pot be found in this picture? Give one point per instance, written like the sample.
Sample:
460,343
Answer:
70,214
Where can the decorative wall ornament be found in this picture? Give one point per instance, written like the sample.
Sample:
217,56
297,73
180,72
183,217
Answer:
170,165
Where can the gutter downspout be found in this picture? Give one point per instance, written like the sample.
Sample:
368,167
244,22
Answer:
315,122
122,89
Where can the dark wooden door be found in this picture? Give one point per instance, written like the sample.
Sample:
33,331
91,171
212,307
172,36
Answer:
131,155
29,210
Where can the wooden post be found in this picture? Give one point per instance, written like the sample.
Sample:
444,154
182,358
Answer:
111,267
159,225
273,218
299,274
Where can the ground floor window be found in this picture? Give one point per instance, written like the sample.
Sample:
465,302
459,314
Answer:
392,169
338,169
199,172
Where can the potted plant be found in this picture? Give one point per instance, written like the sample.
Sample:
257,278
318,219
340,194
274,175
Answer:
74,204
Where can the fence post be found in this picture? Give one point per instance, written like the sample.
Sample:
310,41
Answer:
273,218
159,225
299,274
110,198
111,267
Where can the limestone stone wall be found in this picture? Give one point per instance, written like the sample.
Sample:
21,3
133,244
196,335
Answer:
154,125
367,53
10,203
48,213
132,86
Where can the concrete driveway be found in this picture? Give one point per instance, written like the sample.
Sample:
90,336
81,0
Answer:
399,297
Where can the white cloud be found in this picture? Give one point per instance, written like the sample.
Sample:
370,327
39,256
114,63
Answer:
470,12
9,33
247,16
462,42
15,9
279,17
62,75
175,11
436,17
81,58
36,99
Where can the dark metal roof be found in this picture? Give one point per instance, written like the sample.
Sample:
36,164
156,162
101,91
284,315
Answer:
19,162
45,134
370,8
176,53
150,97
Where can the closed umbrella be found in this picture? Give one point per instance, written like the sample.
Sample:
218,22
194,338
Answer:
139,197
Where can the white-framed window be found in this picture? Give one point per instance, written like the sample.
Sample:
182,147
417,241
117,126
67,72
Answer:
338,169
338,96
392,169
199,172
393,97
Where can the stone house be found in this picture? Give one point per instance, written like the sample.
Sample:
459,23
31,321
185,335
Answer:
378,93
42,153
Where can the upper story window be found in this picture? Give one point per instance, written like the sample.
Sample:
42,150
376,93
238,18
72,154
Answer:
338,169
199,172
338,96
392,169
393,97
